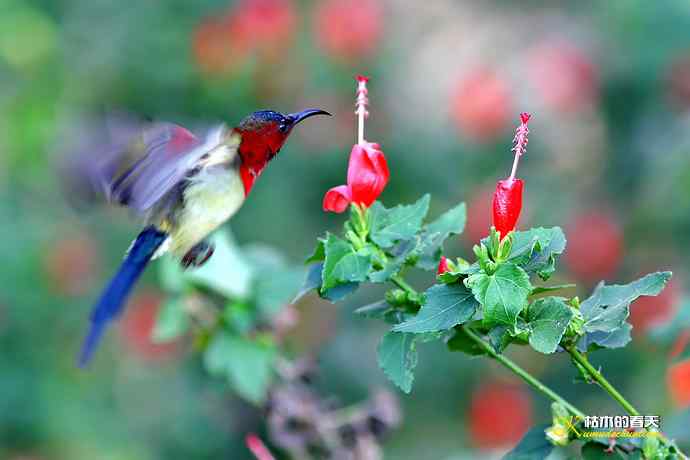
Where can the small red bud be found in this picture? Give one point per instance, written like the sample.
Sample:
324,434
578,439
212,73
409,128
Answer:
442,266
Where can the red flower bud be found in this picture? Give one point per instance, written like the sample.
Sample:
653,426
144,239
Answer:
507,202
442,266
507,205
367,175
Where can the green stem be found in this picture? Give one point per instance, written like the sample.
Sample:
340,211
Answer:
611,390
402,284
601,380
523,374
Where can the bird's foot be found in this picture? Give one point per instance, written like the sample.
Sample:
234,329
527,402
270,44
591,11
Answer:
198,255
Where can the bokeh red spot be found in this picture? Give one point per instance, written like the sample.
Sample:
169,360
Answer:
595,245
678,383
499,415
478,214
481,104
679,81
70,264
137,325
347,31
563,75
223,42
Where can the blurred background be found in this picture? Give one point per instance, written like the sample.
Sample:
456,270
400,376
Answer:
608,84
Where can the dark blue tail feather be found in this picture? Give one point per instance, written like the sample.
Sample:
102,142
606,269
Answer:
113,299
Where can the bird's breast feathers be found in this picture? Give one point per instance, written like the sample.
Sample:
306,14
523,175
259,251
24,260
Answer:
210,197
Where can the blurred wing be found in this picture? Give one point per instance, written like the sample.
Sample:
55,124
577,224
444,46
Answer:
171,156
133,163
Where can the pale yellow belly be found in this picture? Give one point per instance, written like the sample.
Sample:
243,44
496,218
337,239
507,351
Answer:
210,200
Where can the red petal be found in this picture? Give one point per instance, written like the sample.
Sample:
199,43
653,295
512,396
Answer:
507,205
337,199
367,173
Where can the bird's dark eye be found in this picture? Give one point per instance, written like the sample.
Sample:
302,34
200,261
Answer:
283,128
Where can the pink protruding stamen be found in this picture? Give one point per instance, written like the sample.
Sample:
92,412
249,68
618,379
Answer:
520,140
361,105
258,448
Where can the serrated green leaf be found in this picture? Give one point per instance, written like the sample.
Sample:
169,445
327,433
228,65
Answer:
532,446
434,234
445,306
248,365
172,321
547,320
608,307
388,226
397,356
319,254
536,249
502,294
343,264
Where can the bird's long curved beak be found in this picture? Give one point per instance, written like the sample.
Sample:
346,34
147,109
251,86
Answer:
304,114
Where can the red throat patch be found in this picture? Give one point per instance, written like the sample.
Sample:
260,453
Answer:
248,177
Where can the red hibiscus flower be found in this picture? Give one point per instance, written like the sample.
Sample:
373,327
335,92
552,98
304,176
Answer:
367,175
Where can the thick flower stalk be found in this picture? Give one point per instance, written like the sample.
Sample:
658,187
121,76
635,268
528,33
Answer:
367,172
507,202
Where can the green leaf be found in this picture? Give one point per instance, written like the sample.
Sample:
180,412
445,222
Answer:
401,252
503,294
275,288
618,338
172,321
536,250
451,222
460,341
248,365
499,338
445,306
312,281
547,319
240,316
434,234
227,272
387,226
532,446
343,264
319,254
608,307
397,356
